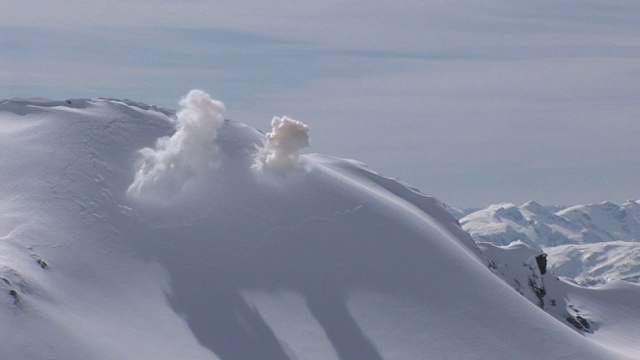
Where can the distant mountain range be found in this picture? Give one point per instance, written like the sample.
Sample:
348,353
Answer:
587,243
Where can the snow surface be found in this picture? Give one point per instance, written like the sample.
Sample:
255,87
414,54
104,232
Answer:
324,259
607,314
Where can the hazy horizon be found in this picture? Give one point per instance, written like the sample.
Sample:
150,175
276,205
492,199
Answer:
474,102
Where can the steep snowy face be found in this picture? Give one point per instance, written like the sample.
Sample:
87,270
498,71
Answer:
524,267
606,314
132,232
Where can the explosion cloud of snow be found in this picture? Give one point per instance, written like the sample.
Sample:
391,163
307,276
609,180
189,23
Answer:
179,160
287,137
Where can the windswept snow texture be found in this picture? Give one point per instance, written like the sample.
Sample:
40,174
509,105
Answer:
100,259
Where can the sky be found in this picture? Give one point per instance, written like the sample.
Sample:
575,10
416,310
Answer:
474,102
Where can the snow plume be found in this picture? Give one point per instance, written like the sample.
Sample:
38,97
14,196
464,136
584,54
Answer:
280,152
178,161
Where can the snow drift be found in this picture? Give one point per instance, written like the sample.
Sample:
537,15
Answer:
341,263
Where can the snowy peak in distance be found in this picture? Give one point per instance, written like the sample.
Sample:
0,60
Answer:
607,220
533,223
597,263
589,244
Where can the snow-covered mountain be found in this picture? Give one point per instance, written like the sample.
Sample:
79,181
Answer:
132,232
535,224
590,244
594,264
606,221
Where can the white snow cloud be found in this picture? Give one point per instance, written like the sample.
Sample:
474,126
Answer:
286,139
178,161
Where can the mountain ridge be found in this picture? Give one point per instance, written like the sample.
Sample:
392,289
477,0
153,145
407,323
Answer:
216,258
533,223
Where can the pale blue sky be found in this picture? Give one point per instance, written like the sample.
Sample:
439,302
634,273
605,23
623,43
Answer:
475,102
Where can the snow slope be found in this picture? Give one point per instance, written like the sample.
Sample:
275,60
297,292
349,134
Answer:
199,247
606,314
